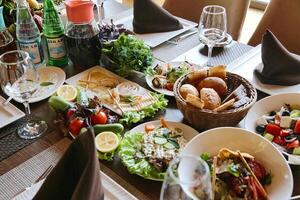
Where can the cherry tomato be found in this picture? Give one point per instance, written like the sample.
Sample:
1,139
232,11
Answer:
75,125
279,140
284,132
169,86
99,118
70,113
297,127
293,144
273,129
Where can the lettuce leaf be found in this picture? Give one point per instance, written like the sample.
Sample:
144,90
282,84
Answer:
127,151
149,111
109,156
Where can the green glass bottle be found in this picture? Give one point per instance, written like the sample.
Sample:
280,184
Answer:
54,33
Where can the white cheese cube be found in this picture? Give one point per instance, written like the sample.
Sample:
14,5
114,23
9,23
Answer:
261,121
285,121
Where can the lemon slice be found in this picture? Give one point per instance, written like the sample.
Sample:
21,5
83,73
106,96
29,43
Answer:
68,92
106,141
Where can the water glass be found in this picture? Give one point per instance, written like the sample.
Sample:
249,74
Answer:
187,178
19,79
212,27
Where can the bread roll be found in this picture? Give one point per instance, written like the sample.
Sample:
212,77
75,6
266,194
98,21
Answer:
194,101
210,98
217,71
215,83
188,89
197,76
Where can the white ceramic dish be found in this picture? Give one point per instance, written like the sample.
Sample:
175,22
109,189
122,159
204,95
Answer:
155,39
54,75
267,105
188,132
162,90
213,140
8,113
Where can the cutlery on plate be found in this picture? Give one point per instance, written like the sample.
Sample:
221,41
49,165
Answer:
41,177
4,103
178,39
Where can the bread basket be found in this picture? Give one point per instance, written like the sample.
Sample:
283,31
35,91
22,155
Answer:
203,119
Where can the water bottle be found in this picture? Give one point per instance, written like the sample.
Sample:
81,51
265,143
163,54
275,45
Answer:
28,34
53,30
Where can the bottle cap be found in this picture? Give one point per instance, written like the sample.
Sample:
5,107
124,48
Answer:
2,23
80,11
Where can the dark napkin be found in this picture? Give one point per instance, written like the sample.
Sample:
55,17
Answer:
280,67
148,17
77,174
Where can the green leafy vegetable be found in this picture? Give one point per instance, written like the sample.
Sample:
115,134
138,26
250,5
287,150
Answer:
149,111
140,166
205,156
44,84
175,73
233,169
267,179
109,156
149,71
129,53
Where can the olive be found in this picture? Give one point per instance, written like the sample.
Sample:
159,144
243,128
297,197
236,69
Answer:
285,113
272,113
260,129
290,138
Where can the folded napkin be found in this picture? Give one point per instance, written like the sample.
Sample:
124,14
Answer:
280,67
151,18
77,174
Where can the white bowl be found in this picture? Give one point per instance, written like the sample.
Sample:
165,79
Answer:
213,140
267,105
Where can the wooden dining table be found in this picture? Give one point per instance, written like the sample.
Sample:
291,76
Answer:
138,186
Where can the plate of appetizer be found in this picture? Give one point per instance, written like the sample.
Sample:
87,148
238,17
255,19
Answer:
244,164
277,118
147,149
163,76
75,111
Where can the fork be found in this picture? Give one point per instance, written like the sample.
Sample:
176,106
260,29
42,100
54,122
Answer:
178,39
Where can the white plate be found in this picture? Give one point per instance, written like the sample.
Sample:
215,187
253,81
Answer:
267,105
162,90
155,39
213,140
188,133
54,75
8,113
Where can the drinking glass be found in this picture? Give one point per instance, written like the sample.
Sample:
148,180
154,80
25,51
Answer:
187,177
212,27
19,79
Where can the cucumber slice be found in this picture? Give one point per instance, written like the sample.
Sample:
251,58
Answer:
295,113
296,151
169,146
160,140
269,137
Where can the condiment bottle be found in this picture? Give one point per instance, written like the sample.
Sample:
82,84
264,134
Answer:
28,34
82,41
6,39
54,33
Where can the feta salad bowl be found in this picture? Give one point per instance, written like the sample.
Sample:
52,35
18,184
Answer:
277,118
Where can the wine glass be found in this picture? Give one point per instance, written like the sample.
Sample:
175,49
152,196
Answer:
212,27
187,177
19,79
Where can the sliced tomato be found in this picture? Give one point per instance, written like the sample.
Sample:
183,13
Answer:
297,127
284,132
149,127
75,125
279,140
99,118
273,129
70,113
169,86
293,144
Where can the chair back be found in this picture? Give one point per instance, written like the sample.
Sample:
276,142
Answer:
192,9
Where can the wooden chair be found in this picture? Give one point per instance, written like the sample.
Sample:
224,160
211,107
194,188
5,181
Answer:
192,9
282,17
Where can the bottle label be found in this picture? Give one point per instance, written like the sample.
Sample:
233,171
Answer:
33,49
56,47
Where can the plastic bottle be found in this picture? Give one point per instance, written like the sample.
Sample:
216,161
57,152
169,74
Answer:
28,34
53,30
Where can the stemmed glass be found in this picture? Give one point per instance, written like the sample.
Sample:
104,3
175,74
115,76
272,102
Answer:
19,79
187,177
212,27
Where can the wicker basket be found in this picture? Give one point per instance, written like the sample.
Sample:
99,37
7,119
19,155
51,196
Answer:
203,119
